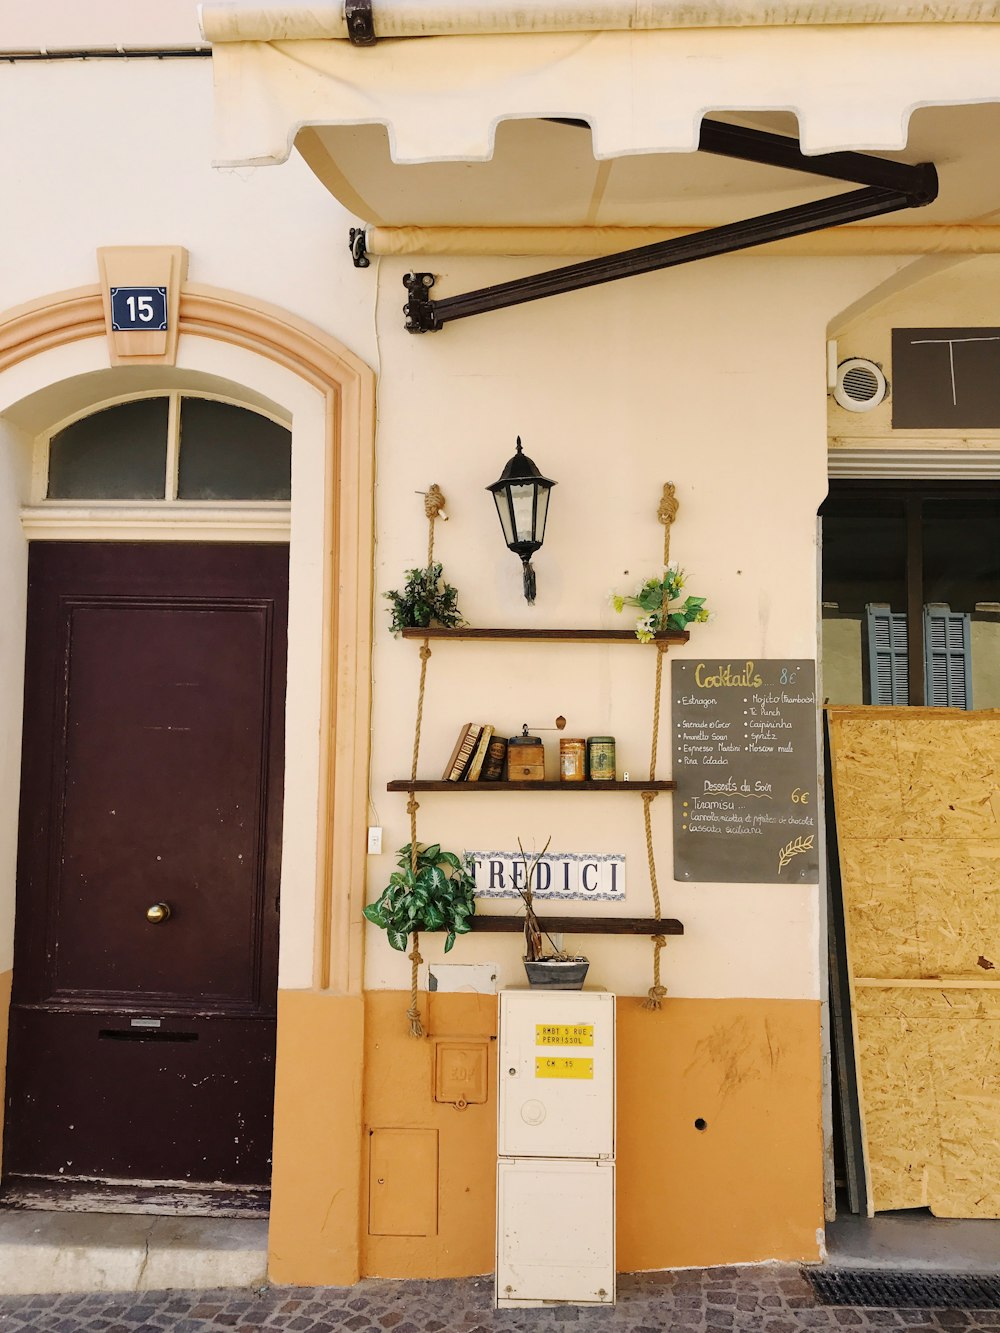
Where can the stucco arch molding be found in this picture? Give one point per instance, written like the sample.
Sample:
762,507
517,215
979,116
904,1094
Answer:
348,387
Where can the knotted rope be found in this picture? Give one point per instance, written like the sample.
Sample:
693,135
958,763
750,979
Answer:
413,1013
434,503
666,512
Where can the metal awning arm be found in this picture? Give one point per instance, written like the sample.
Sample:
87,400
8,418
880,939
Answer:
780,150
424,315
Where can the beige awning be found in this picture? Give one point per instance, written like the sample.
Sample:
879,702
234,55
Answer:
239,21
455,130
442,98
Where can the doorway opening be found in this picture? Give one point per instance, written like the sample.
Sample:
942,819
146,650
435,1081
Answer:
911,594
140,1069
911,667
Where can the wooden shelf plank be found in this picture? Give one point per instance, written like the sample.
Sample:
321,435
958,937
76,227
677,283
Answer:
581,925
546,635
404,784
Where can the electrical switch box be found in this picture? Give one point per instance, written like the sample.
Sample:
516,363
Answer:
556,1234
557,1074
556,1146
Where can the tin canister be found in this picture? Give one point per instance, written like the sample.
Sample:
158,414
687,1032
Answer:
601,758
572,760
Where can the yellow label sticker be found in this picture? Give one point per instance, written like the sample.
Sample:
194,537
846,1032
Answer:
564,1034
562,1066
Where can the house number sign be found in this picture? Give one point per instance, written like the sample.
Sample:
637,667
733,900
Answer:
138,308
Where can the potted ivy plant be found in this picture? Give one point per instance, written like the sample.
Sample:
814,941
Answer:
425,599
436,894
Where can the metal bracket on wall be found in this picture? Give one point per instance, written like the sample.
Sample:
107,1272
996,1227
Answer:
360,22
357,244
419,309
888,187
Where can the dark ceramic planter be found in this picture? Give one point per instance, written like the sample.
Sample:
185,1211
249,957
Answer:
557,973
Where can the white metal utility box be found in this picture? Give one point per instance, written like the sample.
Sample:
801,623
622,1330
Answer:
556,1146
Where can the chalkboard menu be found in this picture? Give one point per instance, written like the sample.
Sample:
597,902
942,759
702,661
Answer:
744,758
945,378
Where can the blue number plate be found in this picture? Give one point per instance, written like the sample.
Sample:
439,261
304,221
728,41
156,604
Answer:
138,308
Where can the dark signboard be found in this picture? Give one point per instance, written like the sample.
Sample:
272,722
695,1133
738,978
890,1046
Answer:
744,758
945,378
138,308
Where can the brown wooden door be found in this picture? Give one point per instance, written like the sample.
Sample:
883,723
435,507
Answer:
151,773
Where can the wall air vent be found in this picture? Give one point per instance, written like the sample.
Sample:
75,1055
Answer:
860,385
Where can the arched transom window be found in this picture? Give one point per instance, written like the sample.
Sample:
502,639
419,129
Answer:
170,448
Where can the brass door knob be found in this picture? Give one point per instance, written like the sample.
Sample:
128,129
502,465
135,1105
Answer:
158,913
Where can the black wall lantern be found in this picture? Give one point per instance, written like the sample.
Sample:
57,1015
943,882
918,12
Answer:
522,500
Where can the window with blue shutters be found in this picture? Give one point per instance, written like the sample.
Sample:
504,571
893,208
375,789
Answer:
886,645
947,664
911,593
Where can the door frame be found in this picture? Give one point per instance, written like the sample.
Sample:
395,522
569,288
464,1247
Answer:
46,350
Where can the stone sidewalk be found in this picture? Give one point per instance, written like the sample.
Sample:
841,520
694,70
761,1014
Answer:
767,1298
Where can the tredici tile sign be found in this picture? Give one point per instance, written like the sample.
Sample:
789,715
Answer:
570,875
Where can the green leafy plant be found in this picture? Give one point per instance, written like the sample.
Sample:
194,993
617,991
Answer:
425,599
655,597
438,895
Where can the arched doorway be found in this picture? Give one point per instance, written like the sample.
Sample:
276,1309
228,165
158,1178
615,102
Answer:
53,355
142,1030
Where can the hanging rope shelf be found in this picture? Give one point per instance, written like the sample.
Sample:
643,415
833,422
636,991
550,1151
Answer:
666,513
433,505
658,926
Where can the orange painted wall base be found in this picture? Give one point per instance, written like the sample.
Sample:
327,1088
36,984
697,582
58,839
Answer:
399,1095
719,1137
746,1187
316,1177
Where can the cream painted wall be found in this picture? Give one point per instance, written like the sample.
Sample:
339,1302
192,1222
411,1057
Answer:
711,376
66,24
947,291
88,158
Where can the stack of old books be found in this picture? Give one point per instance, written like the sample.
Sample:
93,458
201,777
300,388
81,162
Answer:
479,755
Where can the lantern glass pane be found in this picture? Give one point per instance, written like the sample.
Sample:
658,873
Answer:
522,500
503,510
543,513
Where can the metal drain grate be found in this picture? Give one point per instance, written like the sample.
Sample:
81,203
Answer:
913,1291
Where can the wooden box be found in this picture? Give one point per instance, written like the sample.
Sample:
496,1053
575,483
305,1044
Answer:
525,759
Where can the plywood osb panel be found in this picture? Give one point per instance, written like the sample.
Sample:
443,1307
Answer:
932,1098
918,819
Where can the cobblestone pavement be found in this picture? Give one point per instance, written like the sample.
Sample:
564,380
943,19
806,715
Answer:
766,1298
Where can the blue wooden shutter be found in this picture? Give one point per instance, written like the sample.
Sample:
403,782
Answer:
888,674
947,665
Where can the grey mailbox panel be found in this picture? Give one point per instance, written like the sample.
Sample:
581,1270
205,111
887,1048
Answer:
746,808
